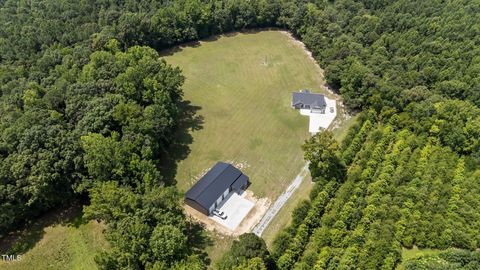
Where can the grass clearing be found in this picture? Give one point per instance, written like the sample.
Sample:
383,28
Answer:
242,84
221,244
56,241
415,252
340,132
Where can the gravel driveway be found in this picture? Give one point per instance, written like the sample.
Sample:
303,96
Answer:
280,202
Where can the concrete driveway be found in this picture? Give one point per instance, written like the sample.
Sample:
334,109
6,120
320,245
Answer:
236,207
319,120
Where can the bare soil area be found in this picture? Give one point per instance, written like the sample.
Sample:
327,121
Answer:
250,220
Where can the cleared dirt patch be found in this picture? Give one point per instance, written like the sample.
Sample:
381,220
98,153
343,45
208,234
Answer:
253,217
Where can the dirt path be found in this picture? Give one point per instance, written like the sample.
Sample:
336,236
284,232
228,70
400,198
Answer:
280,202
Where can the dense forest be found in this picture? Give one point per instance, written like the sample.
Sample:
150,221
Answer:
88,110
408,172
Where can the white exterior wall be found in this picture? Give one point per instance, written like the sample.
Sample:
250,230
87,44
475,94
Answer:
219,200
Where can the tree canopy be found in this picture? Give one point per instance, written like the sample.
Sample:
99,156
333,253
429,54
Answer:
88,109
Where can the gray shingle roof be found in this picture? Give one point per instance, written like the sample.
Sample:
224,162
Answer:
306,98
212,185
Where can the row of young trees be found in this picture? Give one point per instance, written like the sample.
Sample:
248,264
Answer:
412,160
402,189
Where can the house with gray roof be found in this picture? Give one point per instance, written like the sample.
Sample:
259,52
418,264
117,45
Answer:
306,100
207,194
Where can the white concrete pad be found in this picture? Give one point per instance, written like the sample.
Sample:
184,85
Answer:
320,120
236,207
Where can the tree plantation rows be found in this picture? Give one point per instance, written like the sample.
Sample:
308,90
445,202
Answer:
413,161
401,190
89,111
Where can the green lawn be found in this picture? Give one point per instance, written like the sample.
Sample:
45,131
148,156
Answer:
243,83
56,241
284,216
342,130
414,252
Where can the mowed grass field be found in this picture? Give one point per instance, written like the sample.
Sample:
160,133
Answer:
242,84
57,241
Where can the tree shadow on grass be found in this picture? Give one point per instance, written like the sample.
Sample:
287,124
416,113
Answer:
179,149
26,237
178,48
199,240
163,51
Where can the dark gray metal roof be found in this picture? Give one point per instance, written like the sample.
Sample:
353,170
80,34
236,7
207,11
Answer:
211,186
240,182
306,98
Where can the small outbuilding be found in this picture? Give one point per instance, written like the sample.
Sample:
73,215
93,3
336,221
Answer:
207,194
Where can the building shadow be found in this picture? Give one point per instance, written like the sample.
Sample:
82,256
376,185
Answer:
189,122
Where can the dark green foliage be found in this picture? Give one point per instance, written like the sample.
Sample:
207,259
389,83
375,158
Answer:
145,230
247,247
321,151
87,107
97,131
394,53
300,212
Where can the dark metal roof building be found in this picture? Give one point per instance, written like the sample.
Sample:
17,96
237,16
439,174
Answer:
214,186
307,100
